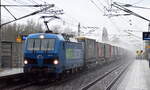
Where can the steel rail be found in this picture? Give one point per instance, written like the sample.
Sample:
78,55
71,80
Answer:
105,75
115,80
100,78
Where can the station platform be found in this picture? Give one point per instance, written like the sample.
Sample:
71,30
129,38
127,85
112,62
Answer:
137,77
6,71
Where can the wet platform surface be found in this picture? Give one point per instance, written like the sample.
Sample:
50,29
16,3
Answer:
6,72
137,77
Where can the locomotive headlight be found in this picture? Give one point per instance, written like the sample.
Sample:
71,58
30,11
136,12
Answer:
25,62
55,61
41,36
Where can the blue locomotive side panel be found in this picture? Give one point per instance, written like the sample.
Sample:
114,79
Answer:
73,55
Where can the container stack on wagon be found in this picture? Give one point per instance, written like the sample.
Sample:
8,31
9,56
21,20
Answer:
114,52
90,55
73,55
99,53
100,49
107,52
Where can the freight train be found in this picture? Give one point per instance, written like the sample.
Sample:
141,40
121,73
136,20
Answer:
48,53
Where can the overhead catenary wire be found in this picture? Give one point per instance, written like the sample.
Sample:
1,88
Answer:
131,34
71,19
118,29
129,11
33,1
103,12
139,7
20,2
132,5
17,4
23,5
52,5
138,2
123,18
66,22
10,12
63,19
114,25
97,6
128,32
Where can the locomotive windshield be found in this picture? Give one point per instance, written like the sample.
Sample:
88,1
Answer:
40,44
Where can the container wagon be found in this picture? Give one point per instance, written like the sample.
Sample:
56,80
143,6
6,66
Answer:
90,58
100,52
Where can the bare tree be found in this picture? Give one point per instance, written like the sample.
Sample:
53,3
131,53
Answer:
69,31
56,29
11,31
32,27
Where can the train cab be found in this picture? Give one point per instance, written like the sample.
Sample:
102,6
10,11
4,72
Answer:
42,52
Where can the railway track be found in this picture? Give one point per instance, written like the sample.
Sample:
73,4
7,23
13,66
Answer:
12,83
22,84
118,71
74,83
115,79
46,84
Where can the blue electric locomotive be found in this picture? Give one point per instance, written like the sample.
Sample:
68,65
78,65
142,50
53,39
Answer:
51,53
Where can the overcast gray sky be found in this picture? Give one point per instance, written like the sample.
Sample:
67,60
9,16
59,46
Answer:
87,13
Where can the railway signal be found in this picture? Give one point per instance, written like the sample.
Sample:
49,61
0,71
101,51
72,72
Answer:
139,52
18,39
21,38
